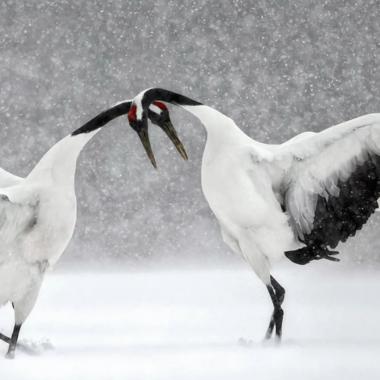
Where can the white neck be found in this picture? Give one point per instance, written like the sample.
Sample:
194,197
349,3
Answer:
218,126
59,163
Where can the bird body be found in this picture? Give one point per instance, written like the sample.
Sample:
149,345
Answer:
297,200
38,215
37,219
265,196
238,186
247,184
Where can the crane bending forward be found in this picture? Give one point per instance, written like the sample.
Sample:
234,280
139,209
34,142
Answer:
298,199
38,213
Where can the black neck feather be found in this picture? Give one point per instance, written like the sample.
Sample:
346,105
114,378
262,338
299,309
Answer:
166,96
103,118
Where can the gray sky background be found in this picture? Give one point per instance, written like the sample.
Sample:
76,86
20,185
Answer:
277,68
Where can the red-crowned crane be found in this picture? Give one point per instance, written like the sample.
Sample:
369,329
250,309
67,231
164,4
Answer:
38,213
298,199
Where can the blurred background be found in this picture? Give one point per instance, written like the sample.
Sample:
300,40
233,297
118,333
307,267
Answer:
277,68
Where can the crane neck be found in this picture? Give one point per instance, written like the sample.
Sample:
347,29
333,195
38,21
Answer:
218,126
59,163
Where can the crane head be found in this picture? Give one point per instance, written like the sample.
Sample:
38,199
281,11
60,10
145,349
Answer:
158,113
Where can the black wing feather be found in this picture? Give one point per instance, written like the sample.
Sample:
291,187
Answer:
339,217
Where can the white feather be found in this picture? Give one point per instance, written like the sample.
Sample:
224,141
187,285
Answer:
245,182
37,219
326,158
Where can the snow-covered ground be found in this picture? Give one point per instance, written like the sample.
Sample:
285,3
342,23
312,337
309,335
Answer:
187,325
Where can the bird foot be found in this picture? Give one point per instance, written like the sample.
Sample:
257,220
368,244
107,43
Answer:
304,255
327,255
30,347
10,354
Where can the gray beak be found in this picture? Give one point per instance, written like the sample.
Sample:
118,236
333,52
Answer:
144,137
168,128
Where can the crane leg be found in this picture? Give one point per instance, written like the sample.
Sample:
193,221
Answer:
22,346
277,295
5,338
13,341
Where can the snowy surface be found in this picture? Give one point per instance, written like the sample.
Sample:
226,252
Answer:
187,325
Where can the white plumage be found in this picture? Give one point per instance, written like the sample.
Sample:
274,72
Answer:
37,218
266,197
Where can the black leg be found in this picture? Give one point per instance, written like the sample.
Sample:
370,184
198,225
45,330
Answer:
13,343
20,346
268,334
5,338
277,295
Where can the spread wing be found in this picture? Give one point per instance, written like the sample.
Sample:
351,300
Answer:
333,183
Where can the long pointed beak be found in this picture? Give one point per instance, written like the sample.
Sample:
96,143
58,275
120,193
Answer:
144,137
168,128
